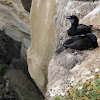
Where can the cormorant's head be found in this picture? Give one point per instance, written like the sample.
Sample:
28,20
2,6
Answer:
73,19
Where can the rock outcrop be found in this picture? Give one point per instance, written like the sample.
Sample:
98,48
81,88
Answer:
72,62
14,41
42,40
15,23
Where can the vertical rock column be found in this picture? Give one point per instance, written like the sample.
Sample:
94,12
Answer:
42,40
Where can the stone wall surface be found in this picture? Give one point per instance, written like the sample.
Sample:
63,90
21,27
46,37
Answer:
45,27
15,23
42,40
15,39
69,63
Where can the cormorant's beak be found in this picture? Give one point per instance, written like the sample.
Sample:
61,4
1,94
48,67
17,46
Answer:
69,18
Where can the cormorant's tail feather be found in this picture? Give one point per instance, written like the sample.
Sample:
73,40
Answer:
60,49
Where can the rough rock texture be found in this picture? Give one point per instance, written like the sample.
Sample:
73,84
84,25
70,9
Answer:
17,83
70,62
15,23
94,20
67,8
42,40
23,87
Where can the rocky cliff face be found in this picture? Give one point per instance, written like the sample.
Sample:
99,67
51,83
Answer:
15,23
39,54
72,62
42,40
14,41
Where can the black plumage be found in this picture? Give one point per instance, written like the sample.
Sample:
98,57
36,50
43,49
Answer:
76,28
85,42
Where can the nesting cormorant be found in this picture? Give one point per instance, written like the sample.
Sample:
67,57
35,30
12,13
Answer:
85,42
76,28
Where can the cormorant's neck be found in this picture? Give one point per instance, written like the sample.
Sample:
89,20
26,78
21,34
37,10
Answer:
74,25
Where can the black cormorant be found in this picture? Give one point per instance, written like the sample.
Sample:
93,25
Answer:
85,42
76,28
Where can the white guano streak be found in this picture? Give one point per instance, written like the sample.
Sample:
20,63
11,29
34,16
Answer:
38,3
47,7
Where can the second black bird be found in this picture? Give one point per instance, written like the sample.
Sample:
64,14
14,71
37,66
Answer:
85,42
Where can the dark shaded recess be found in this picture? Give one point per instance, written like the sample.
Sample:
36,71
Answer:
26,4
22,65
9,48
10,55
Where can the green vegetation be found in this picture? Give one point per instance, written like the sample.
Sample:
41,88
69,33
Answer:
90,90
